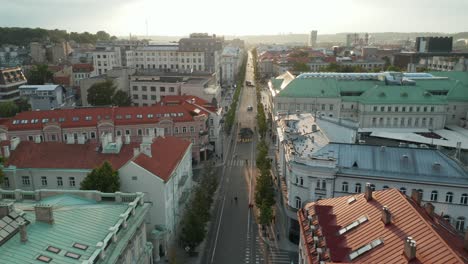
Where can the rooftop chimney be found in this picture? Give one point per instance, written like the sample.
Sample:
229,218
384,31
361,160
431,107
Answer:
429,209
6,151
136,151
127,139
410,248
23,233
14,143
386,215
416,196
466,240
5,209
368,192
44,213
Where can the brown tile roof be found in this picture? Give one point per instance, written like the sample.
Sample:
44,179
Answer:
90,117
63,80
437,241
56,155
166,154
190,102
82,67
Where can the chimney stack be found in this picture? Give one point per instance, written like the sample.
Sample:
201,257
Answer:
23,233
386,215
416,196
466,240
429,209
368,192
410,248
44,213
5,209
6,151
14,142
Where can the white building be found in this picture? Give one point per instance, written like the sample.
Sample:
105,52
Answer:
45,97
231,61
161,168
315,165
105,59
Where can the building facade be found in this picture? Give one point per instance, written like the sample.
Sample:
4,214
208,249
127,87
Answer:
202,42
46,97
10,81
231,61
105,59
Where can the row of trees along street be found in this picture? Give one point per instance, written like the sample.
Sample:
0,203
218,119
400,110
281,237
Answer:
231,114
197,210
264,190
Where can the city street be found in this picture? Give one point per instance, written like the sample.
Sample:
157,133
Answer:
234,235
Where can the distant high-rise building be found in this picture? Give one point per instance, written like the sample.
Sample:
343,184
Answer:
313,38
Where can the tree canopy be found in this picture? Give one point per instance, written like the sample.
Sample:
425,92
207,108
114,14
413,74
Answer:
8,109
121,98
40,74
106,93
103,178
24,36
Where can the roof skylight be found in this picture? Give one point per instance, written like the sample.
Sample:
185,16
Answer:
365,248
354,224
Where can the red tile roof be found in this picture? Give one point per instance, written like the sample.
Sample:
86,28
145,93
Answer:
82,67
89,117
437,241
56,155
63,80
166,154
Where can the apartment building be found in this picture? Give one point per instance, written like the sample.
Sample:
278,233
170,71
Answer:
105,59
211,46
376,100
161,168
46,97
81,71
58,226
377,227
318,159
230,61
10,81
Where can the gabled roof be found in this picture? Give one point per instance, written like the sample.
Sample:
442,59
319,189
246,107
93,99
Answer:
166,154
91,117
57,155
437,241
189,102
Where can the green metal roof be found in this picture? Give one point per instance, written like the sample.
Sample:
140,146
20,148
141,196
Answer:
276,83
312,87
456,87
76,220
396,94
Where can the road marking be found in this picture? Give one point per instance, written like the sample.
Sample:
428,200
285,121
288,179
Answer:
217,231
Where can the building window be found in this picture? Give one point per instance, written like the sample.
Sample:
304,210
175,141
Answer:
134,178
446,218
6,182
59,181
460,224
358,188
135,96
389,108
184,130
26,181
344,187
434,196
144,88
135,88
119,132
192,129
331,107
153,89
449,197
301,181
171,89
324,184
372,186
403,190
153,97
176,130
162,89
140,132
375,108
464,199
44,181
432,109
298,202
323,107
127,132
382,109
93,135
71,181
411,109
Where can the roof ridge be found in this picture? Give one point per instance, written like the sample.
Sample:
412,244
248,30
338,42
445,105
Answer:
419,214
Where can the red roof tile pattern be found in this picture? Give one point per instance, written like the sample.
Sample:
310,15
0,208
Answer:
166,153
188,100
63,80
56,155
82,67
437,241
90,117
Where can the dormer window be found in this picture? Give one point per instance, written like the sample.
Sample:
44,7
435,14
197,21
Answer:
139,116
150,115
128,116
88,118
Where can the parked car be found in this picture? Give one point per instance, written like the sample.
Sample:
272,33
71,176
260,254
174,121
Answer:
249,108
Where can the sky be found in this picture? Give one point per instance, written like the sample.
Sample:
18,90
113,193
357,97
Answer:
237,17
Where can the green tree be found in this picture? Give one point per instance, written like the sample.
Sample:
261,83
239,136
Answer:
266,214
8,109
101,93
121,98
102,35
103,178
193,230
23,105
300,67
40,74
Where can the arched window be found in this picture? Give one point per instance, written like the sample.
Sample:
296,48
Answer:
403,190
372,186
302,181
385,187
344,187
298,202
434,195
357,188
464,199
460,224
449,197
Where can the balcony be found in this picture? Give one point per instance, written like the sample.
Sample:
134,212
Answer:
320,191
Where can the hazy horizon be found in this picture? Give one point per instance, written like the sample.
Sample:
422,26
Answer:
240,18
